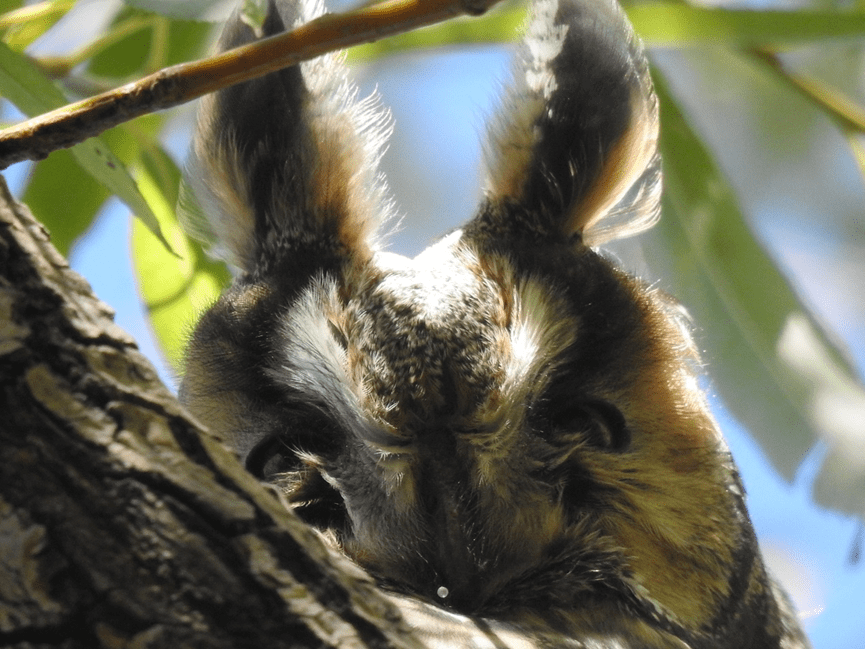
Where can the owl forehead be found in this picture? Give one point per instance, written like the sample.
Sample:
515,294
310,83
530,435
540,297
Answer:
446,337
430,334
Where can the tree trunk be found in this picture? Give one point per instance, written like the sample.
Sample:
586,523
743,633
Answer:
122,522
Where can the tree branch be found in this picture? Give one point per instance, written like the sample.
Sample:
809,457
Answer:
36,138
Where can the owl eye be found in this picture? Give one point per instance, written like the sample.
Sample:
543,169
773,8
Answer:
294,459
269,457
598,421
303,430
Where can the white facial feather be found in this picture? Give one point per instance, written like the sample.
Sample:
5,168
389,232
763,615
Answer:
312,364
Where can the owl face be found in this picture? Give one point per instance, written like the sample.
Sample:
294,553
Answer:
483,419
507,425
480,417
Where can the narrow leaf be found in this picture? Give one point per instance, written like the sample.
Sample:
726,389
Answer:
176,289
495,27
254,13
672,25
27,24
207,10
33,93
136,49
10,5
679,25
64,198
755,330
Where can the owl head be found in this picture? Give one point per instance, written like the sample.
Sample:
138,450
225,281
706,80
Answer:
506,425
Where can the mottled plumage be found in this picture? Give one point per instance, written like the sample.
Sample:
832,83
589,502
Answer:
507,425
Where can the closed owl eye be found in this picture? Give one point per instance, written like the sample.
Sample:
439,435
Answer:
268,458
304,433
598,422
292,459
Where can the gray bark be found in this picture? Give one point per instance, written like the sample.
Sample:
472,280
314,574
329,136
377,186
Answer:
122,522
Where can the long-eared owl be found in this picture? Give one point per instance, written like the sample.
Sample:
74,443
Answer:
506,426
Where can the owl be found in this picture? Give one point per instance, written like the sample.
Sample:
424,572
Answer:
508,427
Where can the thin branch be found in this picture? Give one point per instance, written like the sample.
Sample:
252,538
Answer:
846,113
36,138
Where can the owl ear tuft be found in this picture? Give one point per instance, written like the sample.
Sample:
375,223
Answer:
288,162
575,144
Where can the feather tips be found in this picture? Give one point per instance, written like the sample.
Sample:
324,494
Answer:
577,138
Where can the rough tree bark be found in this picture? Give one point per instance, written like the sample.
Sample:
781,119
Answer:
122,522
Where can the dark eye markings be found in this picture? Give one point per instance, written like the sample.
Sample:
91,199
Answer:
302,429
289,458
598,421
268,452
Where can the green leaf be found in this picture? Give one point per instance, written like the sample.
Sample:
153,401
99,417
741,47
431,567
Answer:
127,56
176,289
186,40
134,53
33,93
495,27
25,86
9,5
665,24
254,13
64,198
25,26
207,10
752,325
679,25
